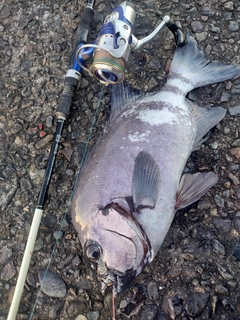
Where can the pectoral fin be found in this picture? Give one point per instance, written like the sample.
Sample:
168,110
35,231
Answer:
193,186
146,181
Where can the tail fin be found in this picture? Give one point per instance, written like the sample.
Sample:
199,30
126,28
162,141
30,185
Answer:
191,66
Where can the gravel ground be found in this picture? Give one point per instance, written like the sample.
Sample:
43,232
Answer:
196,274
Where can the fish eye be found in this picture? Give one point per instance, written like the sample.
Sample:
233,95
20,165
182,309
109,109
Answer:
93,252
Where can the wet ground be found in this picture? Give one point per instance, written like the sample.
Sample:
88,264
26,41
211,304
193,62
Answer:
196,274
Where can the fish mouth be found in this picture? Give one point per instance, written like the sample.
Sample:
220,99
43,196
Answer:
118,281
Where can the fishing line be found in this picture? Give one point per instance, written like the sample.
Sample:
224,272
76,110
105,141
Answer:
69,202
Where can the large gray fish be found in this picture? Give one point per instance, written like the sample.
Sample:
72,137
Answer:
132,184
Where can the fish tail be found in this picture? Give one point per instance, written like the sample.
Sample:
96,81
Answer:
191,68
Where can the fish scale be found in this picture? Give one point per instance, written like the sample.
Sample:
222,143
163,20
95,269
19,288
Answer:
132,183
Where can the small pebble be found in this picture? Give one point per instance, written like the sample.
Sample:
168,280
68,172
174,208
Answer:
226,130
234,110
25,184
236,143
214,145
7,272
81,317
152,290
218,247
196,26
49,121
233,26
236,252
31,280
219,201
75,307
222,225
228,6
53,285
55,310
149,312
234,179
221,290
93,315
196,303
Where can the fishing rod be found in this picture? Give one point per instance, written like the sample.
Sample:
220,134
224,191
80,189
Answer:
71,83
110,53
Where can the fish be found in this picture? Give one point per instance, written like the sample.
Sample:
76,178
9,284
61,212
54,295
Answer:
132,182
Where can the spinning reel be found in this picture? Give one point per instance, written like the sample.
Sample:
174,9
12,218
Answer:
111,49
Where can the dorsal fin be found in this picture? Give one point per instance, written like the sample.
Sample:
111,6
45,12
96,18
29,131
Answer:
204,120
122,97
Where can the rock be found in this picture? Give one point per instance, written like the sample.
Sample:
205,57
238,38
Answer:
236,252
84,284
149,312
49,220
152,290
201,36
234,110
5,12
52,284
222,225
225,96
233,26
31,280
234,179
228,6
196,303
175,306
196,26
55,310
236,152
93,315
49,121
214,145
236,143
42,143
81,317
221,290
75,307
224,273
218,247
219,201
5,255
237,221
8,272
25,184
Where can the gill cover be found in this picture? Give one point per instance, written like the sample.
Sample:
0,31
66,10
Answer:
118,249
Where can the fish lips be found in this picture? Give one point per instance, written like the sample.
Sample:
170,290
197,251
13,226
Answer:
120,282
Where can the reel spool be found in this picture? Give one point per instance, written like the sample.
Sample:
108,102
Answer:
106,68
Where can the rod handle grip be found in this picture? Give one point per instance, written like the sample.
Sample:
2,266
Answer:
83,31
67,96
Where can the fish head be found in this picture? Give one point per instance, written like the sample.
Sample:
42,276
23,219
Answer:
115,246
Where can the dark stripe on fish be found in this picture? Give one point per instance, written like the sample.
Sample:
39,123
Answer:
176,75
173,89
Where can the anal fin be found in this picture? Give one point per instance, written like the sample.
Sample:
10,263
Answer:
146,181
193,186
